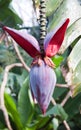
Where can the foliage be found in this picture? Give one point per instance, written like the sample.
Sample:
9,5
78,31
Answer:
23,113
9,18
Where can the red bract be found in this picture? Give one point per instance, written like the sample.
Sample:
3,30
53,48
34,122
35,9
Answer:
26,41
42,76
52,42
54,39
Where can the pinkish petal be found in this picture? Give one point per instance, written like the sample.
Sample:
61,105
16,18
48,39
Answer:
26,41
42,83
54,39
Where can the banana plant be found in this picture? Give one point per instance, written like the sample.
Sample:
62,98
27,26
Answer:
69,48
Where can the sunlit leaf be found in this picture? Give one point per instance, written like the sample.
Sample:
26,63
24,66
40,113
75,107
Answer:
68,9
76,74
77,89
76,80
52,6
72,33
75,56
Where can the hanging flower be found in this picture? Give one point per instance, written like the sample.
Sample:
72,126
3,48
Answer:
42,75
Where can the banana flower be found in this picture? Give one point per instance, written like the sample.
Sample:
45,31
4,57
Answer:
42,75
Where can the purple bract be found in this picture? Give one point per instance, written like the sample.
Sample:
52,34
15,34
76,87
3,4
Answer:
42,82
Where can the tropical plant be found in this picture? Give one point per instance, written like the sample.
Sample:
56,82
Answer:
17,109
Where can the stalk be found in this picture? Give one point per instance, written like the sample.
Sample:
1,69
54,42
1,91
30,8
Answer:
42,25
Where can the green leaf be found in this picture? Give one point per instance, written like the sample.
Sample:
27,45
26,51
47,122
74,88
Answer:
52,5
57,60
68,9
74,64
13,112
2,120
75,41
42,121
75,56
3,3
73,32
4,129
77,120
10,18
60,80
77,89
58,111
72,106
2,125
59,74
76,80
6,57
14,82
25,103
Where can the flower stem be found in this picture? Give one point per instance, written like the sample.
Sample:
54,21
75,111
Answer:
42,24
